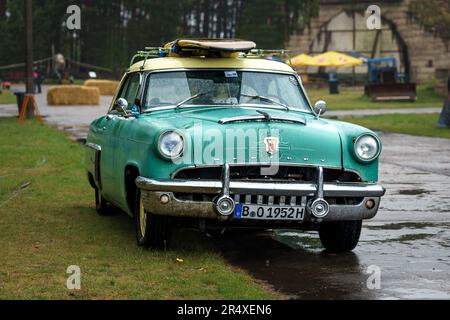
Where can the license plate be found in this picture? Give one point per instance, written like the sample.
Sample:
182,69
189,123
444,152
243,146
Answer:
260,212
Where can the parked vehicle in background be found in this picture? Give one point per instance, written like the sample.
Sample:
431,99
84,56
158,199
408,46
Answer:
386,83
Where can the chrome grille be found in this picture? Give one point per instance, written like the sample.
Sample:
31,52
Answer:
270,200
267,200
292,173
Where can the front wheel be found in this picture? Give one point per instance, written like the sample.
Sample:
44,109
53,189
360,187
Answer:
152,231
340,236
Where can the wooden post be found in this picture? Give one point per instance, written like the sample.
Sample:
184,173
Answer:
29,107
29,46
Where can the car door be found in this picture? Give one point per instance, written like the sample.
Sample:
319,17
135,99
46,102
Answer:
114,122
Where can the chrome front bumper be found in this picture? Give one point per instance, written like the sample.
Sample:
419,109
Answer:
153,190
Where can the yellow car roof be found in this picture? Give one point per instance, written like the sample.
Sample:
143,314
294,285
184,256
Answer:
167,63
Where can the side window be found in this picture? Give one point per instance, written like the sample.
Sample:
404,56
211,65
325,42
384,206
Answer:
130,88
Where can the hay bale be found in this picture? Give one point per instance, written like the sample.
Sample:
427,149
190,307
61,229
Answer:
106,87
73,95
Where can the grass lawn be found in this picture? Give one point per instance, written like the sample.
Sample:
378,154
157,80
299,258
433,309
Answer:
414,124
351,98
48,222
7,97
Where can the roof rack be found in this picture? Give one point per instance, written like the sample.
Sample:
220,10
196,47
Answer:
149,53
262,53
206,47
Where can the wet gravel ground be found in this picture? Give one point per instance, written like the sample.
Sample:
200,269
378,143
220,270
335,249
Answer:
408,242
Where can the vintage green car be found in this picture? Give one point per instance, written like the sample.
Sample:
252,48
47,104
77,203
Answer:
214,135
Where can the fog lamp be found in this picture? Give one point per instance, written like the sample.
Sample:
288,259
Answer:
370,204
320,208
164,199
225,205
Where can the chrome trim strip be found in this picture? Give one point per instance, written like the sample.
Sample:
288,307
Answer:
93,146
98,150
261,188
353,190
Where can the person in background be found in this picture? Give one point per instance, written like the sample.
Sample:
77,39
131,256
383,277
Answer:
37,86
444,120
40,78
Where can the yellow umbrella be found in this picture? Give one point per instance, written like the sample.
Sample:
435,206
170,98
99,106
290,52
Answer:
333,59
299,61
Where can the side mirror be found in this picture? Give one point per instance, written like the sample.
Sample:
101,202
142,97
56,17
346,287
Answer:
320,108
121,106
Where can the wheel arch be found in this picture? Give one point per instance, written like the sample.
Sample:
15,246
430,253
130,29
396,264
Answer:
130,174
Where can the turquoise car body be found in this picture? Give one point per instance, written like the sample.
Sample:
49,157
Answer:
118,143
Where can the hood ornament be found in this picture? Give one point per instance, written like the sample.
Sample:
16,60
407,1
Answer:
272,145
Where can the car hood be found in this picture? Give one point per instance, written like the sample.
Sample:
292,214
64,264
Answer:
303,139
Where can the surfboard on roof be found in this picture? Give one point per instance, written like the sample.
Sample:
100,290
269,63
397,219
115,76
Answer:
210,45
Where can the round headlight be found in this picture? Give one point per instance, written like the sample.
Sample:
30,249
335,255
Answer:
171,144
367,147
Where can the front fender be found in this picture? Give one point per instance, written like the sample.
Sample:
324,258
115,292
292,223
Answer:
349,133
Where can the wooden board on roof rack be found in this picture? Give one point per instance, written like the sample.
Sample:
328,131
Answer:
204,46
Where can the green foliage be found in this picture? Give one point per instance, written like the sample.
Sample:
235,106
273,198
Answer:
112,30
271,22
433,14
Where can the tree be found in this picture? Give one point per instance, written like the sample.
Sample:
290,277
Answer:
112,30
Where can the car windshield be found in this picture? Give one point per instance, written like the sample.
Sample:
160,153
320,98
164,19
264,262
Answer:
224,87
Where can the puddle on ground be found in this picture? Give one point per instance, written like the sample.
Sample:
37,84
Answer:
398,226
413,259
414,192
394,232
418,173
308,240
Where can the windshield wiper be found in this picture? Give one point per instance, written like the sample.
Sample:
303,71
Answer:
198,95
267,99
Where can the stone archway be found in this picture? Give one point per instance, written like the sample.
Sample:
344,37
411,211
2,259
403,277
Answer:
347,32
421,53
